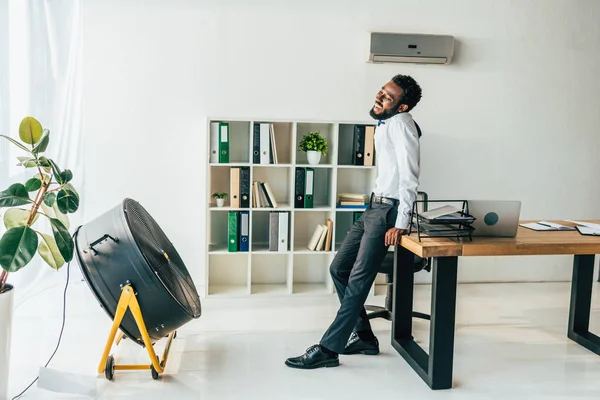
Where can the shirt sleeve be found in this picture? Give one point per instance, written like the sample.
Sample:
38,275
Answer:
406,145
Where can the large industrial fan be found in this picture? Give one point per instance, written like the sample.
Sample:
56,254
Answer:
139,279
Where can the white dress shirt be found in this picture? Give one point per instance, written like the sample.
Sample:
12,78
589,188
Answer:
397,154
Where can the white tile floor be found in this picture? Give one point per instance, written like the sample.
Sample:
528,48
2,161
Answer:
510,344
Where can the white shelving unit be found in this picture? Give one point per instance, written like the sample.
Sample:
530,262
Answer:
298,271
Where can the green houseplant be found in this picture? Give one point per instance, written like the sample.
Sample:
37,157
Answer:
49,194
220,198
314,145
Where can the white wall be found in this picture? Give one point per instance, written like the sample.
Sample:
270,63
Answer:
515,117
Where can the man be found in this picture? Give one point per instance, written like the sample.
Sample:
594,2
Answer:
387,217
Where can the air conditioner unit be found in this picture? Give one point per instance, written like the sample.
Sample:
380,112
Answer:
411,48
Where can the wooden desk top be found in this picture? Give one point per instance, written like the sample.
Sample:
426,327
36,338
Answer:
527,242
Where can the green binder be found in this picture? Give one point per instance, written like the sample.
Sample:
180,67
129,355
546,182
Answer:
309,188
232,231
357,215
223,142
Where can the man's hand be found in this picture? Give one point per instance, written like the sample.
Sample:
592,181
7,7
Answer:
392,236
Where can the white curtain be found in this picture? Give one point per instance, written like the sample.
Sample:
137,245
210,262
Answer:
41,76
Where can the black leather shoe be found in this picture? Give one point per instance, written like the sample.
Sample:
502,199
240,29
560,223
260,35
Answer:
313,358
356,345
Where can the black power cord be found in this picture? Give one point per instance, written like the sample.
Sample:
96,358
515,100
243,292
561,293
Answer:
59,337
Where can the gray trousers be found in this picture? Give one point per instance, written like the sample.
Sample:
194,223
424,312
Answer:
353,271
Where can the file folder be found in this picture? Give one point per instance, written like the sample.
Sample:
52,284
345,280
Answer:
244,187
273,231
223,142
244,230
359,145
256,144
214,142
234,187
232,231
299,192
369,157
283,223
309,188
265,143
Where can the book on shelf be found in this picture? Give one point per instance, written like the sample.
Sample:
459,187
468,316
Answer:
357,200
321,237
264,148
263,195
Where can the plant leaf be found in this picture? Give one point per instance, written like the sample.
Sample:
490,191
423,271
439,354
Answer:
54,212
33,184
49,199
30,130
17,248
14,217
56,171
44,162
49,251
15,195
66,176
27,162
43,144
64,241
72,189
67,201
16,143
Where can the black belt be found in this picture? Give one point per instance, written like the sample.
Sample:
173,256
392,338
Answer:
381,200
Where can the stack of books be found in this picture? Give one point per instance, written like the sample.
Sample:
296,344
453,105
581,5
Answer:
349,200
321,238
262,195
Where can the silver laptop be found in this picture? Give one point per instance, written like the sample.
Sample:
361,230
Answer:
496,218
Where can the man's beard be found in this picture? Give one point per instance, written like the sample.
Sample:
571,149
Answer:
385,114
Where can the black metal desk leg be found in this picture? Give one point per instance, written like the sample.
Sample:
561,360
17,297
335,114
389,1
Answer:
581,301
436,368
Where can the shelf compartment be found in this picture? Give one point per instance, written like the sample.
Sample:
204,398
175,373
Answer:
346,145
311,274
261,227
270,274
220,181
238,139
283,133
279,182
305,224
228,274
322,181
342,224
327,131
354,180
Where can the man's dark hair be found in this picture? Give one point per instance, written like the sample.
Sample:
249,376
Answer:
411,90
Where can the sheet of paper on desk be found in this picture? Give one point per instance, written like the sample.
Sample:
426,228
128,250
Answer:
595,227
584,230
547,226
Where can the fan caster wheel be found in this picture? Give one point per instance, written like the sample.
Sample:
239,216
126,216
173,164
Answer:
109,369
154,372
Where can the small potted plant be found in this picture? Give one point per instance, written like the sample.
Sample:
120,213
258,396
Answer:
314,145
220,198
